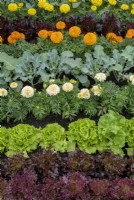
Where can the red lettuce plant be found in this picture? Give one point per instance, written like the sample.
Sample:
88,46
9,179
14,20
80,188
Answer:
75,186
21,186
80,161
114,165
123,189
16,163
51,189
3,185
47,163
99,188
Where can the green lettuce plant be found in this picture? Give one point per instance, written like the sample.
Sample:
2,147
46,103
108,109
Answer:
112,132
54,136
84,133
130,137
3,138
22,138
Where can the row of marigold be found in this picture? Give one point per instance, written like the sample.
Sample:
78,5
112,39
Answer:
65,7
56,37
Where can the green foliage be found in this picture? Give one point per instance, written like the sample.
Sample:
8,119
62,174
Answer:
22,138
3,138
84,133
130,137
113,98
54,135
112,132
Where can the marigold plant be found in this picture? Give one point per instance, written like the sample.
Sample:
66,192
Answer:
60,25
74,31
130,33
90,38
1,39
97,2
56,37
43,34
12,7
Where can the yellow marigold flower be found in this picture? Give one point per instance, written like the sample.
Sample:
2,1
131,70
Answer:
90,38
12,7
93,8
31,11
124,7
56,37
1,40
130,33
132,11
74,31
97,90
13,85
132,5
72,1
41,4
11,40
60,25
3,92
64,8
43,34
48,7
112,2
97,2
20,5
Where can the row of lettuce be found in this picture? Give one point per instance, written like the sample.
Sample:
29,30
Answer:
53,9
50,175
65,99
113,132
69,186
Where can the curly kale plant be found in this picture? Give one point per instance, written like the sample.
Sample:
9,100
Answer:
84,133
112,132
22,138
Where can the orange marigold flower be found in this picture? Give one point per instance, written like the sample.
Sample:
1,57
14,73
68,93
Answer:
56,37
1,40
11,40
15,35
60,25
119,39
110,36
49,33
74,31
21,36
90,38
43,34
130,33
